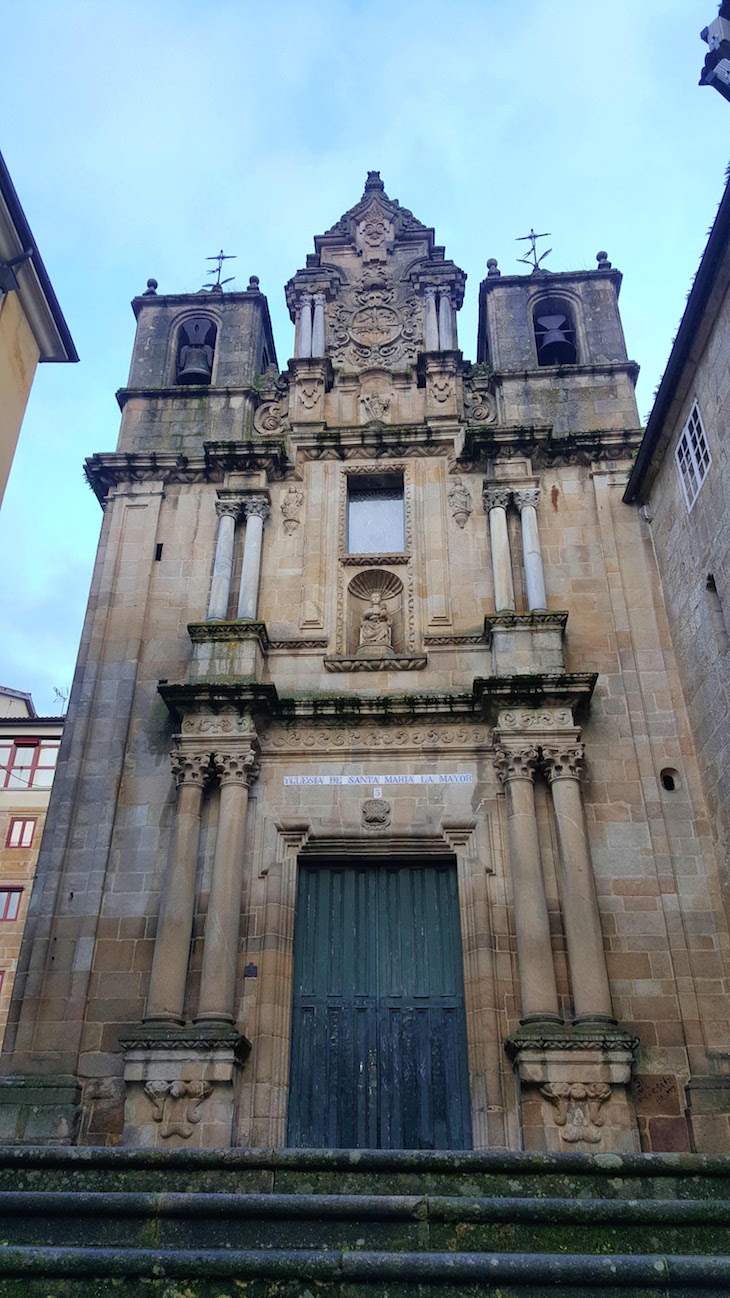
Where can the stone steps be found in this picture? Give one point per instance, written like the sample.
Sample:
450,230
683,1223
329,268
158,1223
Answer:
338,1224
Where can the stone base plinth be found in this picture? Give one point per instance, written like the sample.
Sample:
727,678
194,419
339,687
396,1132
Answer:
227,650
39,1110
708,1110
573,1086
526,643
180,1086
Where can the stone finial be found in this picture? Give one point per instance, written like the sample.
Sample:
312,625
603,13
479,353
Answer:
603,262
151,288
492,271
374,183
253,284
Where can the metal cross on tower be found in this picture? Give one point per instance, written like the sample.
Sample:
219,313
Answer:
217,270
532,258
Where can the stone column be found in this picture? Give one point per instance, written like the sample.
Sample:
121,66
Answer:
227,511
446,321
432,325
516,769
526,500
305,326
496,500
236,772
319,300
166,998
257,512
584,939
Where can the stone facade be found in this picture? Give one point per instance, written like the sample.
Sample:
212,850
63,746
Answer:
28,753
493,688
690,535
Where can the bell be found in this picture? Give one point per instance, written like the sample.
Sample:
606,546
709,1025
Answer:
555,346
195,364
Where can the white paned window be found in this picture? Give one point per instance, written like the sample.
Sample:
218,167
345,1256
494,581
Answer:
693,456
20,833
375,514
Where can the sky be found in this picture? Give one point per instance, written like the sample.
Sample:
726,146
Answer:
145,135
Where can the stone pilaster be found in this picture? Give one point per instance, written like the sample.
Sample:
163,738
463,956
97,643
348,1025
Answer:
166,997
496,501
256,511
586,955
526,499
220,590
516,769
236,769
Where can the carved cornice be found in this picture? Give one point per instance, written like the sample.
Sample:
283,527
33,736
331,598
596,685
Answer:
444,641
219,699
533,691
373,560
214,632
536,620
301,645
393,662
116,469
607,1038
538,442
199,1037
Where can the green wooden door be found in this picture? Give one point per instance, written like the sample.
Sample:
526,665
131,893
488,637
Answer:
378,1033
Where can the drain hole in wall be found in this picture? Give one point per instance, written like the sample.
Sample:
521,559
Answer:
669,778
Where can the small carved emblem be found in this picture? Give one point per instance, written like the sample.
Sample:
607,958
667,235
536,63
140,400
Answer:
177,1105
309,394
375,407
376,813
578,1109
441,389
459,498
291,507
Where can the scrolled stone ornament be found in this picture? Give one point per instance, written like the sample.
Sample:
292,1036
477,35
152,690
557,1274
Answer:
190,768
578,1109
516,763
563,762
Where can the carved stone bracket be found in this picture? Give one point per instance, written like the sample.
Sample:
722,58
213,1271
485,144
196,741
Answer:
578,1108
177,1105
392,662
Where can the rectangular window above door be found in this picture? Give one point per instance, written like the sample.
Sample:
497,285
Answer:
375,514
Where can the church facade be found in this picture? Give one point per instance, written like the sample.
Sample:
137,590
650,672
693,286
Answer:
360,836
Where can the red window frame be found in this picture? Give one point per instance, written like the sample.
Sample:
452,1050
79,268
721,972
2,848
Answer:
10,774
21,820
10,904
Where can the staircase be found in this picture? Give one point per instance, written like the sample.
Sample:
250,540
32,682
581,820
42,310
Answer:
238,1223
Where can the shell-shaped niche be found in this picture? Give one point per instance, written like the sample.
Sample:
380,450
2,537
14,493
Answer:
375,581
367,588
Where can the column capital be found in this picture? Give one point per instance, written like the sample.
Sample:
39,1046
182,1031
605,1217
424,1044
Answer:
305,299
563,761
429,290
257,506
319,298
190,768
495,497
238,766
516,763
228,508
526,496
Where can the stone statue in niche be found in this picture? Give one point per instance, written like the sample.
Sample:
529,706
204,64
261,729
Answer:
459,499
376,630
291,507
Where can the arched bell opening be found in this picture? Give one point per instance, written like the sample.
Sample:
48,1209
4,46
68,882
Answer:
375,622
195,351
555,336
